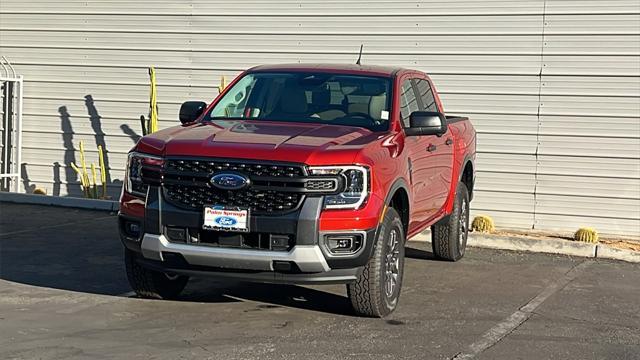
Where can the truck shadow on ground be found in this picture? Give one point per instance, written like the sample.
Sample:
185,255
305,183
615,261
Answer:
419,254
270,295
332,300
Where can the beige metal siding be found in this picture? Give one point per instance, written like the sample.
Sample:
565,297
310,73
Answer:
553,86
589,138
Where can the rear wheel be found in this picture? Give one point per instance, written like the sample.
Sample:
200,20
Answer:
377,290
152,284
449,236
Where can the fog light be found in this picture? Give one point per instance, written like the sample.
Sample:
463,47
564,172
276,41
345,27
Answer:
132,229
343,244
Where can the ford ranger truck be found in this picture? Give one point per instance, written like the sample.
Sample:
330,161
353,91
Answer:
300,174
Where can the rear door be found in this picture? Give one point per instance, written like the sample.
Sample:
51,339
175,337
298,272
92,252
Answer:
439,148
417,157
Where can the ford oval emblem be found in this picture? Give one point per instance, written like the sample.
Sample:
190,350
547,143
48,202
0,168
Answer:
227,181
225,221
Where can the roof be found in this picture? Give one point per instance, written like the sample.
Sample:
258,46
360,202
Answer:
341,68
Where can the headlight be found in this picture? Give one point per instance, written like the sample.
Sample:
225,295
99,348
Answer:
356,189
142,170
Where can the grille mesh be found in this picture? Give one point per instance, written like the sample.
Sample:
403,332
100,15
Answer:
208,167
190,187
259,201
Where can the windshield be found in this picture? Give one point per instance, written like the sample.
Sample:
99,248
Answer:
325,98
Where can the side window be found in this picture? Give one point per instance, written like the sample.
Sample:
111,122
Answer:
408,102
428,101
234,103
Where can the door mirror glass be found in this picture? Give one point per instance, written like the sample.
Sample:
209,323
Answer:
191,110
426,123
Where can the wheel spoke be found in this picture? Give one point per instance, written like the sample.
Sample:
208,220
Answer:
463,224
392,263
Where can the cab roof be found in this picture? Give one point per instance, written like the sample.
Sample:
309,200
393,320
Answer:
338,68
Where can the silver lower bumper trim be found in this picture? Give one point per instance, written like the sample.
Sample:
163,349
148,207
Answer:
308,258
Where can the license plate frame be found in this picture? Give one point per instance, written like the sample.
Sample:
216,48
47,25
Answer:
226,218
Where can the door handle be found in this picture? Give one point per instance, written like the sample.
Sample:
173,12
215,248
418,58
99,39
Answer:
449,141
431,148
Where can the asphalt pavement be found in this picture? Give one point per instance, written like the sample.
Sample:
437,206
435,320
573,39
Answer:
64,295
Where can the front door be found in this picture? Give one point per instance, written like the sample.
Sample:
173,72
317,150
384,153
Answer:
420,170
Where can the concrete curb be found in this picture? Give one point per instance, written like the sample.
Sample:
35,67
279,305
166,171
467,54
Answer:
80,203
534,245
608,252
563,247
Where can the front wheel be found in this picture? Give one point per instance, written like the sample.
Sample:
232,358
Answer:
377,290
449,236
151,284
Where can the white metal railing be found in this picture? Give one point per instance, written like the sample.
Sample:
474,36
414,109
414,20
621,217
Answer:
11,131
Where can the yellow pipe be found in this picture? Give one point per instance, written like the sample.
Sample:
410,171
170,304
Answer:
103,171
94,175
82,162
223,83
153,103
87,181
82,179
85,173
74,167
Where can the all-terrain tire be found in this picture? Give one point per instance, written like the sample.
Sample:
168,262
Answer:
449,235
151,284
372,294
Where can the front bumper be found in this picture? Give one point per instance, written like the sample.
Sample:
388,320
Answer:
249,265
308,261
308,258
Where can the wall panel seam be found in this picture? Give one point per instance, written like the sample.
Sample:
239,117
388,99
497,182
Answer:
539,124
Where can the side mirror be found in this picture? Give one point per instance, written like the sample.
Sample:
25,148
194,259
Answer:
191,110
426,123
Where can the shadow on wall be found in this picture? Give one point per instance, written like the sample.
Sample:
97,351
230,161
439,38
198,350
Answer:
28,188
130,132
70,178
96,125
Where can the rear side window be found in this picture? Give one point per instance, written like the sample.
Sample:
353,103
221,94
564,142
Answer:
427,100
408,102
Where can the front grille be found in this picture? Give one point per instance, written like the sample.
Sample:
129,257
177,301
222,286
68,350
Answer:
259,201
210,166
274,188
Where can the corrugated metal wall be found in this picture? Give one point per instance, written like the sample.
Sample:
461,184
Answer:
552,86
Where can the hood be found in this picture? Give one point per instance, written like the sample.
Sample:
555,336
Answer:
261,140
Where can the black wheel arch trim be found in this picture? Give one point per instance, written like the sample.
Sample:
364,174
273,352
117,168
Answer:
468,159
398,184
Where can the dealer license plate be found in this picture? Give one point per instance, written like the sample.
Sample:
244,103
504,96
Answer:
226,219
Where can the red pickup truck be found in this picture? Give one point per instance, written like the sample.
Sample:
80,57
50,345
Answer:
300,174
